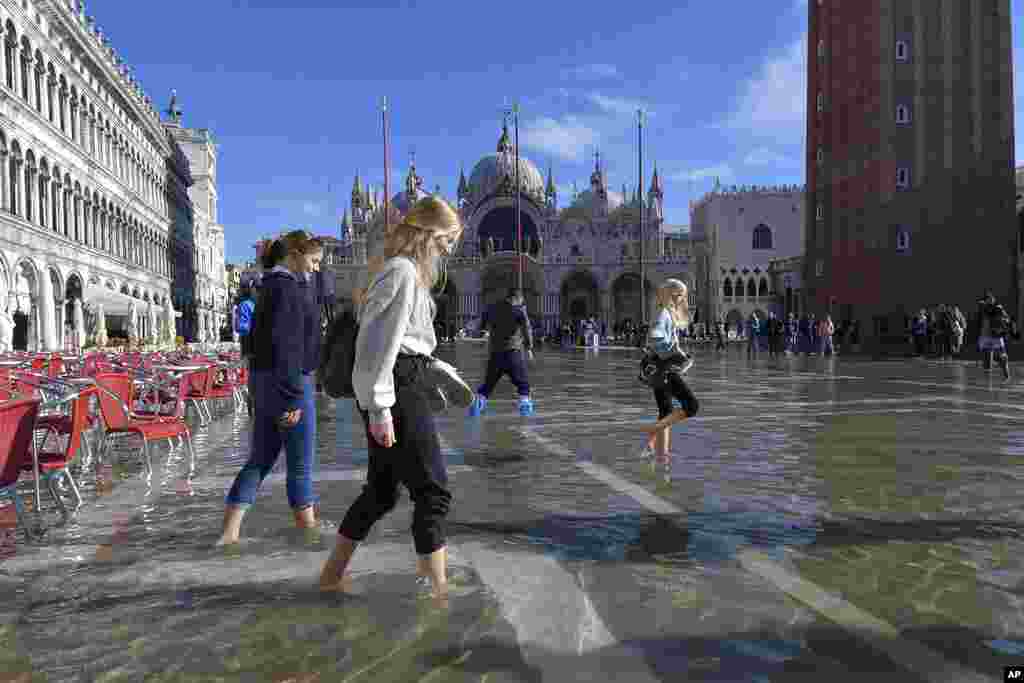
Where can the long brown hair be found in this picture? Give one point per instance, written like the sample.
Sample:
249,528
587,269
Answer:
294,242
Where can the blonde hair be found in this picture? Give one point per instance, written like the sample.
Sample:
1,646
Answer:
415,236
665,298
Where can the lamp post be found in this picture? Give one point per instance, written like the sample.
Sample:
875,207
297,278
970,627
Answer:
640,198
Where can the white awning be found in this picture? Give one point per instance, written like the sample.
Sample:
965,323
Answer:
116,303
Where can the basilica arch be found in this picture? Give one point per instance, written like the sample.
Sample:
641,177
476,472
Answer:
580,294
447,301
625,298
501,274
496,218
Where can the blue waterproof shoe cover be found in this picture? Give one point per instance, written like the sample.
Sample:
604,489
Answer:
525,407
478,406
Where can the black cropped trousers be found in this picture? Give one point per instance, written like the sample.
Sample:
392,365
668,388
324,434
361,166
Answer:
415,462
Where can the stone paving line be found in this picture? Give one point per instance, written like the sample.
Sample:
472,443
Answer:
918,658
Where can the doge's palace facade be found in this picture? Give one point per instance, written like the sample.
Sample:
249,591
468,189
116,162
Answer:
91,184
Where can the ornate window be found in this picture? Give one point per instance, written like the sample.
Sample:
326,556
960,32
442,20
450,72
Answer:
819,267
762,288
821,102
727,288
10,45
762,237
821,154
821,49
902,114
819,212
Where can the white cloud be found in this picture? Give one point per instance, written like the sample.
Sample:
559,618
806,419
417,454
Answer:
592,72
618,106
763,156
568,138
723,171
777,97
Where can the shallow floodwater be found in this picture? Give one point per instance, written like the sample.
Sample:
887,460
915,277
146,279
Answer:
825,519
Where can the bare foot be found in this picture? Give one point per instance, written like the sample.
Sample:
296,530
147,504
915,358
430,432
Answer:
331,584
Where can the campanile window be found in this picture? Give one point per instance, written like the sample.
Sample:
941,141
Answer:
902,51
902,239
903,177
902,114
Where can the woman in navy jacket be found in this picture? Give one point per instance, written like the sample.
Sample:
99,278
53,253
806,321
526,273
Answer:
285,349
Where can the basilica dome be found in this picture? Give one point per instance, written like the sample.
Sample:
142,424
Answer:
491,172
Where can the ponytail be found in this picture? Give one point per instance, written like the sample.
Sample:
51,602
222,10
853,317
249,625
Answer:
274,254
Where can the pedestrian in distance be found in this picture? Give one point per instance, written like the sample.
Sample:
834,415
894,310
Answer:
670,364
396,335
995,326
244,310
285,353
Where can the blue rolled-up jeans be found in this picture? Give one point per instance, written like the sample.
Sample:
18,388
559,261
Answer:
299,443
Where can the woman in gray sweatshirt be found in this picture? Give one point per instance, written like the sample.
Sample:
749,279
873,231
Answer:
396,332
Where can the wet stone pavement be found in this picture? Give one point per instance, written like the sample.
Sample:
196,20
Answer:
825,519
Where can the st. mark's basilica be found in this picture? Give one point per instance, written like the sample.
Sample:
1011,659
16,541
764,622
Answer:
584,260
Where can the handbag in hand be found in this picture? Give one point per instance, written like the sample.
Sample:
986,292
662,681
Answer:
654,368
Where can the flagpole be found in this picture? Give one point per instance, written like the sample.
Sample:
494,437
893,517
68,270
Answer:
640,196
387,166
519,223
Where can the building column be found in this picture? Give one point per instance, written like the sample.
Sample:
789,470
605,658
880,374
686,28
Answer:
43,190
47,312
55,195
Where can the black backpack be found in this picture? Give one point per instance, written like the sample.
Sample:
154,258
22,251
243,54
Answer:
339,356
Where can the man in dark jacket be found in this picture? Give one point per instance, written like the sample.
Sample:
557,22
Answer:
510,336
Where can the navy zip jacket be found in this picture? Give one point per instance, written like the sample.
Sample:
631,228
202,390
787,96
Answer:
279,334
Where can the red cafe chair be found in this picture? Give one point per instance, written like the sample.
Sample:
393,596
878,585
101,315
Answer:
17,422
63,435
115,397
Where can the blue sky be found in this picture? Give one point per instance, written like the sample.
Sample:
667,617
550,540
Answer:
291,90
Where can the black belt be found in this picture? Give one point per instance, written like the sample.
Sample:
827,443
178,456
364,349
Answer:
409,368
